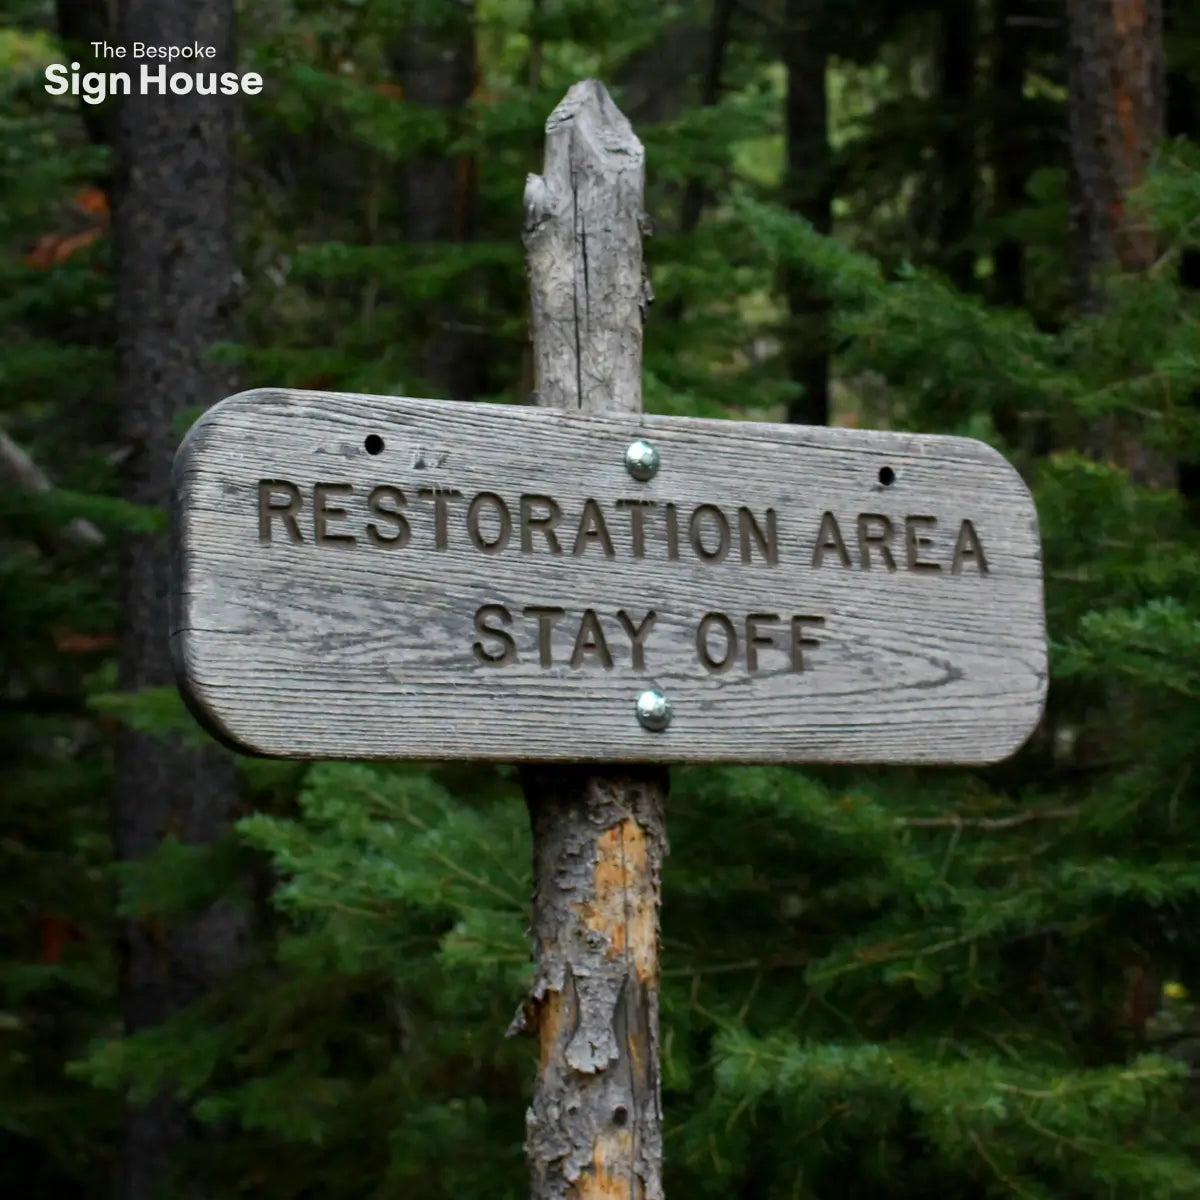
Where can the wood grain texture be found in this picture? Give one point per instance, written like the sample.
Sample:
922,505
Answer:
593,1129
355,650
583,245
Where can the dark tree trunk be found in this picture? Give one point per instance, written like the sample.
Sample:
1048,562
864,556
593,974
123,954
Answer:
808,189
175,273
1116,73
1183,120
1009,152
1116,67
692,205
437,68
710,93
81,22
956,143
657,83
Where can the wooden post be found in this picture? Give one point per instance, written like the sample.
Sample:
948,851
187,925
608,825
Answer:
286,649
595,1125
419,644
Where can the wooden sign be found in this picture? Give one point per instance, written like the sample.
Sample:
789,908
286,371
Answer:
377,577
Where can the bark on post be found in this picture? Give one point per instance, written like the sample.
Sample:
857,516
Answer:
595,1124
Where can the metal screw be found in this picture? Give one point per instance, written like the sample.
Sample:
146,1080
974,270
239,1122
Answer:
641,460
653,711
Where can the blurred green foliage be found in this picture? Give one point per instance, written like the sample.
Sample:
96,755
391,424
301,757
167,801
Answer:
889,982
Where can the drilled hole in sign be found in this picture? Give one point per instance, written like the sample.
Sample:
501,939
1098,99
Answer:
887,476
373,444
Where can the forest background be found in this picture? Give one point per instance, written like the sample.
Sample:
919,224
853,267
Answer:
241,978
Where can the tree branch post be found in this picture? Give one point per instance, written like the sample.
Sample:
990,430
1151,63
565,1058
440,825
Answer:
19,471
595,1125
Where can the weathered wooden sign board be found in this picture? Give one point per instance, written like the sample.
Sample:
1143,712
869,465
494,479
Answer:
379,577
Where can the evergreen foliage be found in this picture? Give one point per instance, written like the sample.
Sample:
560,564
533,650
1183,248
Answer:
889,982
56,617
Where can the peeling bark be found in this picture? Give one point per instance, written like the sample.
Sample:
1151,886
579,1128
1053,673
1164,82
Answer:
594,1129
595,1125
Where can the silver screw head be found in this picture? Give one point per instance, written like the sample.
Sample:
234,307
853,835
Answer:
653,711
642,460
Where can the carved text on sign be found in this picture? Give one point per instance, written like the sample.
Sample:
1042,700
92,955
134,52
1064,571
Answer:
439,518
434,518
389,577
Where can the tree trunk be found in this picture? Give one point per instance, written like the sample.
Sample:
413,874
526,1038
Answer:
1009,152
80,23
175,286
710,92
808,191
595,1124
956,142
437,69
1010,149
657,82
1116,67
1183,120
692,205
